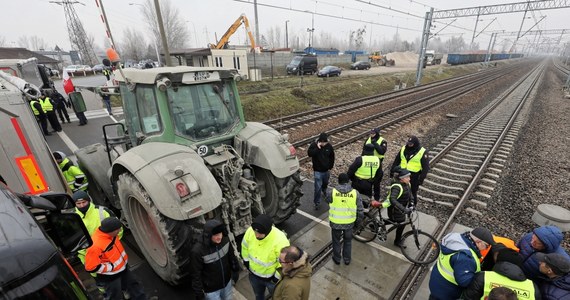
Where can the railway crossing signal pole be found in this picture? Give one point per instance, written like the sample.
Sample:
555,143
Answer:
423,45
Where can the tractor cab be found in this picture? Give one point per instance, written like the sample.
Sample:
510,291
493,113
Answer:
182,105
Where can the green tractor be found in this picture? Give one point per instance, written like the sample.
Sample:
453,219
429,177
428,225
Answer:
185,155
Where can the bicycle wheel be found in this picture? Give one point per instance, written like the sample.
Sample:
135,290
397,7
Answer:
419,247
366,231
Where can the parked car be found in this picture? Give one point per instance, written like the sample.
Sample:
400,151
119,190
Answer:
360,65
86,68
329,71
303,64
98,68
72,68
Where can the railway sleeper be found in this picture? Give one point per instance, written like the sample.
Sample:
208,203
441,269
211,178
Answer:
455,152
478,203
473,211
478,146
494,170
502,156
463,182
442,194
463,149
456,168
465,159
487,180
453,174
488,188
444,186
483,195
495,176
460,163
479,141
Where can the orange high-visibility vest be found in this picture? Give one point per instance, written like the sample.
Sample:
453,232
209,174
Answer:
503,240
106,256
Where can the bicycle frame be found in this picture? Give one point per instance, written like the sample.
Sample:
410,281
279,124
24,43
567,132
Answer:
382,222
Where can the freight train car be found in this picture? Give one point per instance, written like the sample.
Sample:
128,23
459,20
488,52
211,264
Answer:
459,59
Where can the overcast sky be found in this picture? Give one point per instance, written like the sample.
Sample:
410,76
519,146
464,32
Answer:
207,17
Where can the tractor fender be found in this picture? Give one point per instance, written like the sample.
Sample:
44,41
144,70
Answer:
159,167
93,160
263,146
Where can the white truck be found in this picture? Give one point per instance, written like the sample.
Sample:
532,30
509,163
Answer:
432,58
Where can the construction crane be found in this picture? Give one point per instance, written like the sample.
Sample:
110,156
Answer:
223,43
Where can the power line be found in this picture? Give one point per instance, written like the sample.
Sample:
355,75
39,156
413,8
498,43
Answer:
328,15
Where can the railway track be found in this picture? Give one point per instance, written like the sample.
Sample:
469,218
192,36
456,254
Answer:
468,162
398,114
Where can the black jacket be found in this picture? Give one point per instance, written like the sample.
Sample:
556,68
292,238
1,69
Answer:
212,265
396,210
410,152
505,268
323,159
365,187
380,148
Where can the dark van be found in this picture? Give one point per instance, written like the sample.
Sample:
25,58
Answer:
303,64
32,247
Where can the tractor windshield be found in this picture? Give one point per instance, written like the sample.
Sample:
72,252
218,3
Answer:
202,111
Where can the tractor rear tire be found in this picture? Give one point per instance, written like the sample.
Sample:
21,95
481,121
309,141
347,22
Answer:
282,195
165,243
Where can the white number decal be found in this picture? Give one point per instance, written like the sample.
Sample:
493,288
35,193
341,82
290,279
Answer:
202,150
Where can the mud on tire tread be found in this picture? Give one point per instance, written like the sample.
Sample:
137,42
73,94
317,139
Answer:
179,236
289,196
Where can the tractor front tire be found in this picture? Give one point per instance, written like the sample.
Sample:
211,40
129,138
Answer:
282,195
165,243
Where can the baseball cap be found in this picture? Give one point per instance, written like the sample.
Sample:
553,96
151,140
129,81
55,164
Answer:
559,264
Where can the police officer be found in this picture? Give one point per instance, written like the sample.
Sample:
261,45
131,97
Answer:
60,104
506,272
260,248
380,145
107,73
40,115
75,178
345,207
48,107
365,173
397,201
415,159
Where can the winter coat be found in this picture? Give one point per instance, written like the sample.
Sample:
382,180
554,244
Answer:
463,263
295,284
365,187
555,289
396,210
380,148
346,188
323,159
417,178
505,268
551,237
212,264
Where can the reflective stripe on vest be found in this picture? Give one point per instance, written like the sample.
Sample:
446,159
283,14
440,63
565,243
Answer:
415,164
34,110
46,104
446,270
390,192
263,255
342,210
380,139
370,165
523,289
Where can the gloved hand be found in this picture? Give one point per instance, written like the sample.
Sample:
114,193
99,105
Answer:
375,203
235,277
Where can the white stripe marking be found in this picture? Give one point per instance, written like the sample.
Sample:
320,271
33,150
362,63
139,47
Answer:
70,144
372,244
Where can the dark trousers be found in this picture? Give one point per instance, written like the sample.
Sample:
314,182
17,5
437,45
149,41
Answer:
259,285
81,117
415,186
399,232
62,111
52,118
123,281
42,120
364,187
346,244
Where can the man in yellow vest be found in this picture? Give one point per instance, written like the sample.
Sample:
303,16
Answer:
260,250
458,263
76,179
49,108
40,115
398,201
415,159
365,173
507,272
345,207
380,145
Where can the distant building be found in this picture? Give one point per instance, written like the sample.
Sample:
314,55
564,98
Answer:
321,51
63,57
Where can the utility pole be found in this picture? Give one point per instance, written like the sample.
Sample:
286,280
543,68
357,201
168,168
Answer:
423,45
475,29
286,35
257,41
490,48
162,34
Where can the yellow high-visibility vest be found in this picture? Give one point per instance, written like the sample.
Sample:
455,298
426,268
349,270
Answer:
342,210
369,141
46,104
445,269
523,289
370,165
415,164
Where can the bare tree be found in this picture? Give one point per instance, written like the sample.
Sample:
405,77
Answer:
278,38
175,27
3,42
37,43
133,45
23,41
455,44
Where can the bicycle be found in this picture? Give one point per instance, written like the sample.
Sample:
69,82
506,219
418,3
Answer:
417,246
